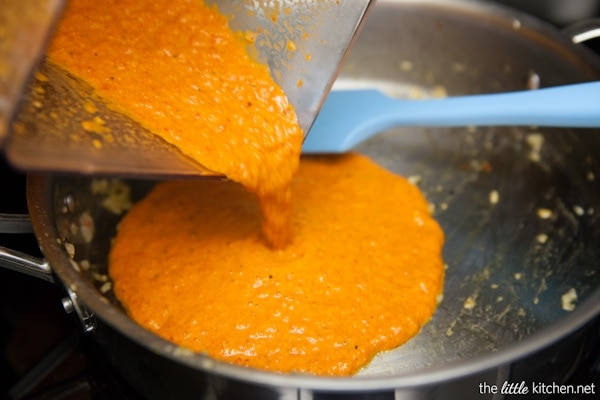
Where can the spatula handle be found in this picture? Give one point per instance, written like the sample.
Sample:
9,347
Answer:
576,105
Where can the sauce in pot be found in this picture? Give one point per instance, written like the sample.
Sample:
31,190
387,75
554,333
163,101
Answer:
362,274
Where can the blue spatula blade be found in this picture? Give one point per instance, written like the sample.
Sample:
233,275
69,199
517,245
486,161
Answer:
350,116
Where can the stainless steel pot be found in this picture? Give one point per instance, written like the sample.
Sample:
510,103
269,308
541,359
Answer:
519,206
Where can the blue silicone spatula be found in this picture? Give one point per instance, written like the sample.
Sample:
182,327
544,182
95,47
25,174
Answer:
350,116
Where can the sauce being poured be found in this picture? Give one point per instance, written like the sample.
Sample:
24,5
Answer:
363,273
176,67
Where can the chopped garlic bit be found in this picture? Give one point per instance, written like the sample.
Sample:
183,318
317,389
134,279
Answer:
544,213
99,186
470,303
70,248
535,142
431,207
118,197
106,287
414,179
74,265
494,197
569,299
533,80
518,276
84,264
541,238
87,226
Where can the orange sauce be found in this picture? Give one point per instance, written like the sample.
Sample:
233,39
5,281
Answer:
176,67
362,271
362,274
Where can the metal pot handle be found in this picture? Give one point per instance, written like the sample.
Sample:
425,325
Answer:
38,267
583,31
19,261
24,263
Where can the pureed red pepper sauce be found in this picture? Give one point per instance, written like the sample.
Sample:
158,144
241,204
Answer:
176,67
362,273
354,266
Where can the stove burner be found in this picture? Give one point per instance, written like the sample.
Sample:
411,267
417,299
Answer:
45,355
